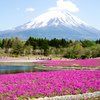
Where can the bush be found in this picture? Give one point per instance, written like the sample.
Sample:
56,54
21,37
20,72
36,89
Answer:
13,55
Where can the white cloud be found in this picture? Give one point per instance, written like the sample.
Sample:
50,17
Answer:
53,8
29,9
65,5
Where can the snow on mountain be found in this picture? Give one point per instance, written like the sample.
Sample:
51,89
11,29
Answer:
53,18
54,24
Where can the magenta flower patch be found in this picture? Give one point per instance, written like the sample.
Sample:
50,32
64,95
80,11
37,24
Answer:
6,59
42,84
73,63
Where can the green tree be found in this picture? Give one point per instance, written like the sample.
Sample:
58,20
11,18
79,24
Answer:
78,50
45,46
88,43
70,53
4,43
64,43
9,45
98,41
32,41
55,43
95,51
17,46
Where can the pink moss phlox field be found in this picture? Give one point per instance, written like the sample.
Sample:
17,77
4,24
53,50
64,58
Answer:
73,63
42,84
8,59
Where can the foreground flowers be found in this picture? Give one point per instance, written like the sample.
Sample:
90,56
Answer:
41,84
73,63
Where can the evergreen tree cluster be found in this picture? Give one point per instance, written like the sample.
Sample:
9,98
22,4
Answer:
69,49
43,43
97,41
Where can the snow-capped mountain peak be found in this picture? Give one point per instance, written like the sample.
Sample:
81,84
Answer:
56,18
54,24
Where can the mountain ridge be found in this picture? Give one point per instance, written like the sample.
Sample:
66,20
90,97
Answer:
53,18
54,24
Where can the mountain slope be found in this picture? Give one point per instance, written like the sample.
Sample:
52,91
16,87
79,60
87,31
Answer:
54,24
53,18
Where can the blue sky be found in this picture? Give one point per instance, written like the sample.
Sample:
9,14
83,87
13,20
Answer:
17,12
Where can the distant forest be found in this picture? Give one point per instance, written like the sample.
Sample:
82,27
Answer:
15,47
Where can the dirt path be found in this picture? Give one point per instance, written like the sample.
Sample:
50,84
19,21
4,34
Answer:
69,97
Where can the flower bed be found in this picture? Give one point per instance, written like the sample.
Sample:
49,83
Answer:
73,63
6,59
42,84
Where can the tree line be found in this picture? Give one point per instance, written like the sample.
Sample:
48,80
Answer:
39,46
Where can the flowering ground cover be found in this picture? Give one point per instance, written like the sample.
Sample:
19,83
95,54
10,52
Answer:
42,84
5,59
73,63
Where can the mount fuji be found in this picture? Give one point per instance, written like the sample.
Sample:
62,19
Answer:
54,24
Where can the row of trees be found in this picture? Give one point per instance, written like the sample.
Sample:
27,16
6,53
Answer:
41,43
69,49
